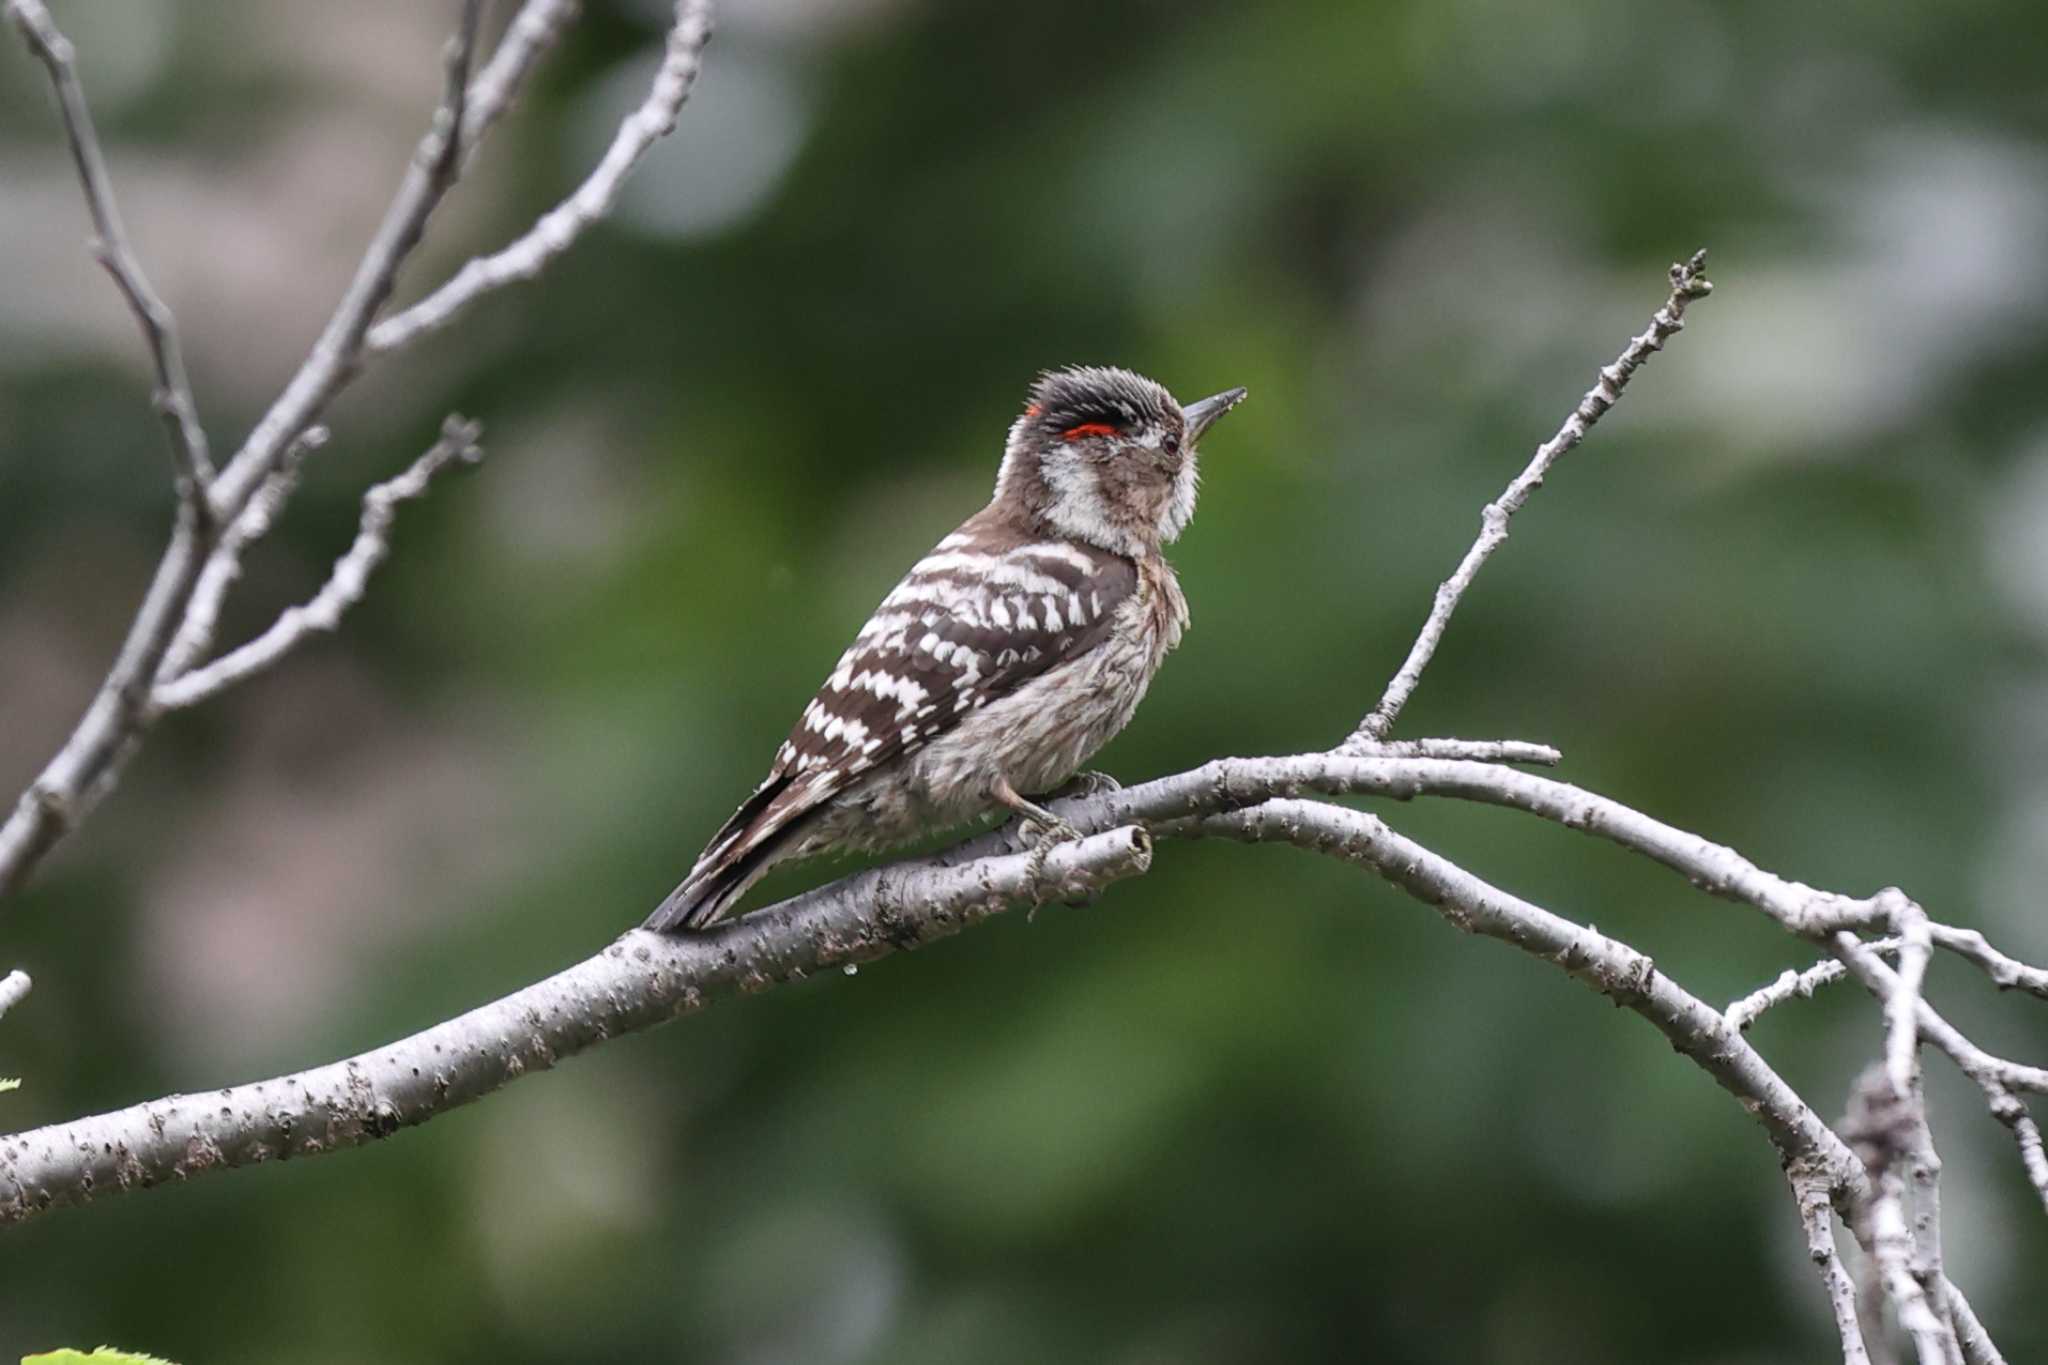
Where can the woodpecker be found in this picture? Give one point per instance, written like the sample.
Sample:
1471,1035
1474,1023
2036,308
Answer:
1004,659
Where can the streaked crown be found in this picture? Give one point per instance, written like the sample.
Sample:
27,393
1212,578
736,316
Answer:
1107,457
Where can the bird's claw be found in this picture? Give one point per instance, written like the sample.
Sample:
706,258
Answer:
1089,784
1041,836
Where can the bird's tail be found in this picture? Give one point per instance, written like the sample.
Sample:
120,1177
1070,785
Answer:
740,854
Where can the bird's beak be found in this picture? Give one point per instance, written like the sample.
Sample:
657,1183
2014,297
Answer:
1199,417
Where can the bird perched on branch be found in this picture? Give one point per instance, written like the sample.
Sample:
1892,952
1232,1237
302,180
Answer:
1004,659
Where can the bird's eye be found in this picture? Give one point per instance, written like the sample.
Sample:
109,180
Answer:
1075,433
1172,443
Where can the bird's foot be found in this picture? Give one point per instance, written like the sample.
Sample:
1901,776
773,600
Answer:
1045,831
1089,784
1038,827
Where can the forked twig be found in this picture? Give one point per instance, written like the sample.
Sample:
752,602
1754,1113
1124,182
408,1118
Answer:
1688,283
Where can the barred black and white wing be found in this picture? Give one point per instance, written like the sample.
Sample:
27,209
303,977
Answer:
986,611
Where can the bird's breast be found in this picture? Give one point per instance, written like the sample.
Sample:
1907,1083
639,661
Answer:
1160,590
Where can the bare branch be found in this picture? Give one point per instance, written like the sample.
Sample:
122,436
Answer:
14,989
1792,985
1902,1005
1695,1028
1688,282
1477,750
202,613
1995,1078
1976,1342
336,355
345,585
1980,1066
91,758
641,980
535,29
852,918
1714,868
173,397
2005,972
559,228
2011,1111
175,622
1923,1183
1813,1198
1880,1126
83,770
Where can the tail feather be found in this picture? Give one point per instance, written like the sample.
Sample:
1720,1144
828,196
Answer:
742,851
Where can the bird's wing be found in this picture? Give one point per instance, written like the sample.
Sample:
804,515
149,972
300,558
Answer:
979,616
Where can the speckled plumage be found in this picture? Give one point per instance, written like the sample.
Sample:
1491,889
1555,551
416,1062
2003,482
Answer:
1006,656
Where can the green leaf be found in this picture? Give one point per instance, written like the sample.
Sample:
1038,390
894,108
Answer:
105,1355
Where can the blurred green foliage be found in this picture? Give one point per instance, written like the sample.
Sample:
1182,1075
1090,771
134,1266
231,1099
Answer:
1253,1107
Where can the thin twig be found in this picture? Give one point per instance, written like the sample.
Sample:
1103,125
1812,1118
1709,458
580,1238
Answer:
1688,283
224,566
1714,868
1627,977
1902,1006
335,356
344,586
173,399
91,759
1979,1065
559,228
1813,1197
533,31
1794,985
1978,1348
641,980
174,624
1477,750
14,989
2011,1111
2005,972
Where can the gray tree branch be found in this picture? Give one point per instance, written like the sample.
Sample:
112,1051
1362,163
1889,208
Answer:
533,33
223,566
14,988
641,980
1688,283
174,624
1795,985
1816,1216
344,586
1697,1030
1881,1125
173,397
1251,792
558,229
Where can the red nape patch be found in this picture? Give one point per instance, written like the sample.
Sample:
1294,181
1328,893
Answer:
1088,429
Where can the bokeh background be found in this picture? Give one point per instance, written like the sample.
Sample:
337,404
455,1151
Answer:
1254,1107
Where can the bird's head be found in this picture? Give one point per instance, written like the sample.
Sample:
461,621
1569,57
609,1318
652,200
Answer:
1107,457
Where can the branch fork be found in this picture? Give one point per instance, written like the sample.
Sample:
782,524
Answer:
222,511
